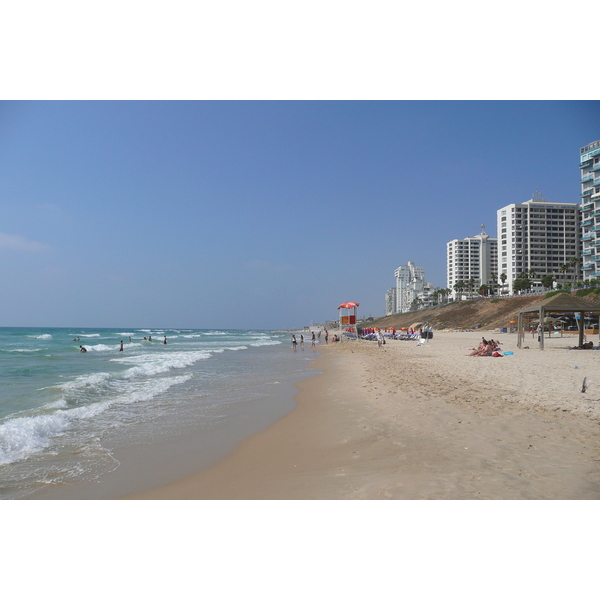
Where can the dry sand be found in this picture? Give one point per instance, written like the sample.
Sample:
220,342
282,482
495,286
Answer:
424,422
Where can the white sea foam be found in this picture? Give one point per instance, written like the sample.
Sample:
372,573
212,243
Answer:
22,436
112,348
26,350
265,342
83,381
87,335
44,336
147,365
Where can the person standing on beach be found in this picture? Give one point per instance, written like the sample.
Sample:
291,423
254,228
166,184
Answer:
294,342
301,341
313,340
326,336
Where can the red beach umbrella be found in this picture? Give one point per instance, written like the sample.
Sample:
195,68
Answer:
349,305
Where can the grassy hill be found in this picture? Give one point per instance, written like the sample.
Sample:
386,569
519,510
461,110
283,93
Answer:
489,313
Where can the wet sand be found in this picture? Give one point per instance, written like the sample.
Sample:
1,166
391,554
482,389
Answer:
424,422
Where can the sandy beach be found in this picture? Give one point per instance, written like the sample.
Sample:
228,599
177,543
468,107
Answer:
405,421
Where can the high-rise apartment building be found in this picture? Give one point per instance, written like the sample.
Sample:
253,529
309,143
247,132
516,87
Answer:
589,163
538,237
474,258
390,302
410,287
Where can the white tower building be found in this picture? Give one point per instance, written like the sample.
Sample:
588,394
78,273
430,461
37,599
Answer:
410,283
538,237
589,163
474,258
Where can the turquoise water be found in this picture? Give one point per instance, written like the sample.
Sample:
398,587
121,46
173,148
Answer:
63,412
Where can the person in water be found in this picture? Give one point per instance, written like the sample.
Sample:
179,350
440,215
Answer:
121,348
82,349
165,340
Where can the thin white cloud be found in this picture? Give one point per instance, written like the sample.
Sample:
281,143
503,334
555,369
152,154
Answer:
17,242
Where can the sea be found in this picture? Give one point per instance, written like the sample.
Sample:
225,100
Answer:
109,422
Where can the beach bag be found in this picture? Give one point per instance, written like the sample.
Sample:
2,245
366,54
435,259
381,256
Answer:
496,354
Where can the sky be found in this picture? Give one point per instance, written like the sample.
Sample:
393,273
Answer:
257,214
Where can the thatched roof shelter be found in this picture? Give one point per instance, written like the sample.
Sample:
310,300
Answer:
560,304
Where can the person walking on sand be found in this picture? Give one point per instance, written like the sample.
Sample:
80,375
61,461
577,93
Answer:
294,342
326,336
301,341
313,340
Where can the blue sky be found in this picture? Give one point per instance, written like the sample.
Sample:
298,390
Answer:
257,214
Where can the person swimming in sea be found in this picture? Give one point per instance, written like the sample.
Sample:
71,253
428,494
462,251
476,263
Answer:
82,349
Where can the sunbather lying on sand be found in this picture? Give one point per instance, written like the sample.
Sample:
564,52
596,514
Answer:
485,348
586,346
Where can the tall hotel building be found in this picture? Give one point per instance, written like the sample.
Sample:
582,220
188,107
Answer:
539,236
411,286
589,163
472,258
390,302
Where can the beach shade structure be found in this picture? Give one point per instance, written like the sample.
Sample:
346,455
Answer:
348,320
558,305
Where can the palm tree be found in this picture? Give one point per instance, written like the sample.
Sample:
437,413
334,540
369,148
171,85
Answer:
459,286
503,278
471,284
494,279
563,269
574,262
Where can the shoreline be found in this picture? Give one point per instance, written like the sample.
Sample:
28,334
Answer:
408,422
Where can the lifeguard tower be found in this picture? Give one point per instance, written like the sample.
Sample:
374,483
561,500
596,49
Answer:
348,320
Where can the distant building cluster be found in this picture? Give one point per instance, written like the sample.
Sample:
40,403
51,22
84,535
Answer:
411,292
539,244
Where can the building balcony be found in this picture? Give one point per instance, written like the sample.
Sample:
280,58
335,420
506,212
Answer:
586,192
596,228
589,177
587,207
587,222
588,267
586,252
595,167
587,236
